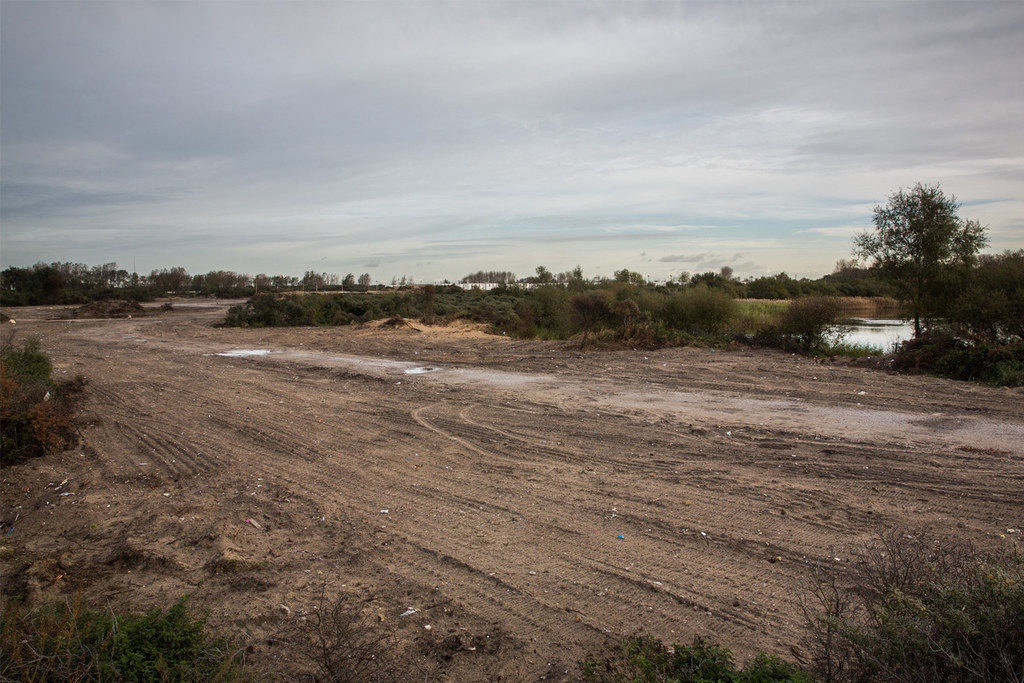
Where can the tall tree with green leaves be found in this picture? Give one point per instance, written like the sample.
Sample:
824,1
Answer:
918,243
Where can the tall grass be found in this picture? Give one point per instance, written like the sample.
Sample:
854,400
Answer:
755,315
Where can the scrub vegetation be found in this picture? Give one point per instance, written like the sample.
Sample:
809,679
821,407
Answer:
37,412
70,641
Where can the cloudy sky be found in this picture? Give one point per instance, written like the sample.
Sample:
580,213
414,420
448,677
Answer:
434,139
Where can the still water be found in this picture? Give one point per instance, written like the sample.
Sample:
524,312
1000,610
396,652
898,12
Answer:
880,333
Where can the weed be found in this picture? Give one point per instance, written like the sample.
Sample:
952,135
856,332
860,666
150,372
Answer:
853,350
69,641
645,658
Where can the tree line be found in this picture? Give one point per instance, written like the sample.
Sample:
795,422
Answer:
76,283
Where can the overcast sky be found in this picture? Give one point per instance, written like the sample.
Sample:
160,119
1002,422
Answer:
434,139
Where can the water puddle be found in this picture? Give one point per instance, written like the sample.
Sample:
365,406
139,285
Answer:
243,353
421,370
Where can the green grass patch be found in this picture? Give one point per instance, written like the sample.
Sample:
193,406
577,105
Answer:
854,350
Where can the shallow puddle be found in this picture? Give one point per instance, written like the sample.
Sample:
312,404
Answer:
242,353
421,370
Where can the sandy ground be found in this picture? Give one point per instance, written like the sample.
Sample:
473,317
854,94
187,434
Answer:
530,502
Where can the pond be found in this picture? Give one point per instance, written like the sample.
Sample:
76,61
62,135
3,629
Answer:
882,333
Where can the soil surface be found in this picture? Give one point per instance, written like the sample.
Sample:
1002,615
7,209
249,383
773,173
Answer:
527,502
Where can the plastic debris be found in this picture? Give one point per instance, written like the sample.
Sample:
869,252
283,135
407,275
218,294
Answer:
620,536
408,613
385,511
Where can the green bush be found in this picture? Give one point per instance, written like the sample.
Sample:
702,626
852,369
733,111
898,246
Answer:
940,352
644,659
919,610
811,324
69,641
699,310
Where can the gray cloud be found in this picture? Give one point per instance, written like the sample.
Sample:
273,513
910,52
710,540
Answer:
382,133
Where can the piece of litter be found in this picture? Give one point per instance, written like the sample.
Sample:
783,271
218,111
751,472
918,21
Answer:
408,612
620,536
254,523
67,493
426,627
384,512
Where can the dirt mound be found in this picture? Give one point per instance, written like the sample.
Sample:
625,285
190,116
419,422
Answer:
395,322
110,309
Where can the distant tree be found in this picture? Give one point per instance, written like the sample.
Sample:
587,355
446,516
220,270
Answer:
714,280
575,279
772,287
501,277
846,265
262,283
726,272
628,276
283,281
349,283
173,280
223,283
918,244
364,281
589,309
544,276
313,281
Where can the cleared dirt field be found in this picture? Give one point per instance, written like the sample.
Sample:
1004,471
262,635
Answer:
530,502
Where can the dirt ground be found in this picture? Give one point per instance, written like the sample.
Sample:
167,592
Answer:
530,502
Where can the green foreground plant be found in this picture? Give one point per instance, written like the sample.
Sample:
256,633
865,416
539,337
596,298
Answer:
645,659
69,641
918,610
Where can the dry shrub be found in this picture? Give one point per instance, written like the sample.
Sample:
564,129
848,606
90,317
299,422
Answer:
917,610
37,413
342,644
115,308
